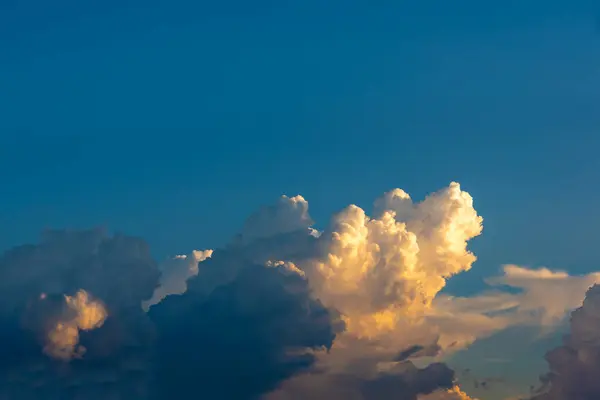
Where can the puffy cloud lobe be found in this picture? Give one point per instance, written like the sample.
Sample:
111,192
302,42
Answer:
174,275
63,337
379,271
443,222
575,366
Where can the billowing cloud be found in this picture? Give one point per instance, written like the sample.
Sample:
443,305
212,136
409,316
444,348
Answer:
255,320
575,366
280,312
72,318
381,271
403,381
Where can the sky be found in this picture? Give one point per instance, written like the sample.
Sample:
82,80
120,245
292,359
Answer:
175,121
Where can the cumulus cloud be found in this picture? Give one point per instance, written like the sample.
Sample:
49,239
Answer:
380,271
78,297
280,312
384,274
255,320
575,366
409,383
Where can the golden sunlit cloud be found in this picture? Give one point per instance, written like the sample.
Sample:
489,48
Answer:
63,338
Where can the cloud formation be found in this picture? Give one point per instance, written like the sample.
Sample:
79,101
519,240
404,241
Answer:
246,316
283,311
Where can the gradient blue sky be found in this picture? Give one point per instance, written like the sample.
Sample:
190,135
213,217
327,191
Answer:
174,121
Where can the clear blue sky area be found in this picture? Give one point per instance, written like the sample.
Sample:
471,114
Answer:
175,120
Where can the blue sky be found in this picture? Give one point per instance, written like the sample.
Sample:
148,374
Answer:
175,121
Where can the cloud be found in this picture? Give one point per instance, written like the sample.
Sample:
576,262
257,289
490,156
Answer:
539,297
404,381
567,291
408,384
80,314
451,394
289,214
71,319
382,274
418,351
575,366
174,275
380,271
247,316
280,312
246,336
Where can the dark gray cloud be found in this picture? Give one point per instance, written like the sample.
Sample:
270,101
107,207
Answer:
404,381
419,351
243,326
575,366
243,338
34,280
409,383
